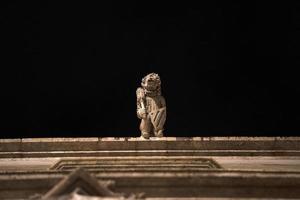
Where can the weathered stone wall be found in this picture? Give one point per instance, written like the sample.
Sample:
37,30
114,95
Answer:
227,167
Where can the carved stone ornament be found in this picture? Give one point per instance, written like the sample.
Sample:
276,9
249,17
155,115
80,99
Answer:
80,185
151,106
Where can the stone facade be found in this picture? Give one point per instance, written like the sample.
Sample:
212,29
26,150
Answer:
158,168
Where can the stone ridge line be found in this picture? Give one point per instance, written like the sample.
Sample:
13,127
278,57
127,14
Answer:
122,139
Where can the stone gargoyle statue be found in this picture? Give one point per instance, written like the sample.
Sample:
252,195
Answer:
151,106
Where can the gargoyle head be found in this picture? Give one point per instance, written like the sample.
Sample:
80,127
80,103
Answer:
152,84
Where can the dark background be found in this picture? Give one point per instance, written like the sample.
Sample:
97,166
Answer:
72,69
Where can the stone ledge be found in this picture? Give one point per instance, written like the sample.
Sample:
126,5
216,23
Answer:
135,144
58,139
45,154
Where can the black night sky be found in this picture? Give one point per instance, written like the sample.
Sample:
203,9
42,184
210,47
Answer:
72,69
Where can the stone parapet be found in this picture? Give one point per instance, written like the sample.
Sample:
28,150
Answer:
197,146
169,167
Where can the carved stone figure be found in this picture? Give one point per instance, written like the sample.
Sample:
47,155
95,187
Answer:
151,106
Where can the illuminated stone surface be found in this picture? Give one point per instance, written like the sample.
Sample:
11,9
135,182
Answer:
202,167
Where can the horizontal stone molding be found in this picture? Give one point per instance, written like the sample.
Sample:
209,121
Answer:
204,184
166,143
42,154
